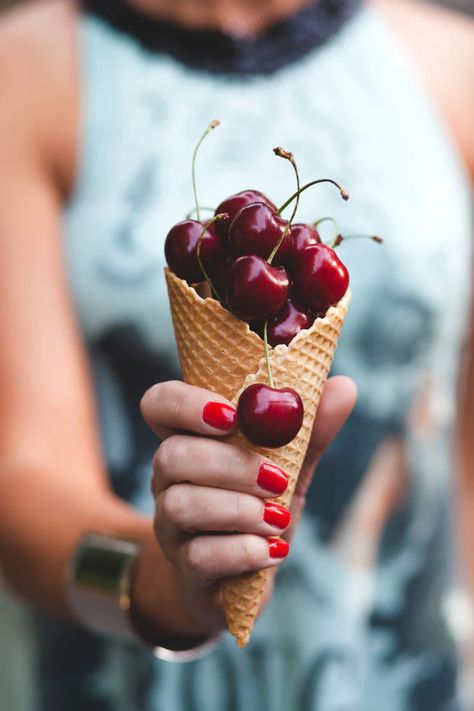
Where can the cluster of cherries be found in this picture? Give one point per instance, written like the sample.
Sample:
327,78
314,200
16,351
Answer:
273,274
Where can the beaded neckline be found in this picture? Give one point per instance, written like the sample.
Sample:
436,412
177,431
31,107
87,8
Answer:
282,44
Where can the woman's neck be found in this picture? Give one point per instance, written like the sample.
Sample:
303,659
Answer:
236,17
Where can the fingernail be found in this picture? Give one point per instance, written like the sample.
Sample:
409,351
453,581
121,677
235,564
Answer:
276,515
278,548
219,415
272,478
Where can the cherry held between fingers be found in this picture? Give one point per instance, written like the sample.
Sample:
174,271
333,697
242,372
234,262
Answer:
270,417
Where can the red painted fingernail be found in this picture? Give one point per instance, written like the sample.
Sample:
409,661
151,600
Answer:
276,515
272,478
278,548
219,415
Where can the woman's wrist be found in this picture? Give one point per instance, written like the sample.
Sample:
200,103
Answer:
158,609
102,587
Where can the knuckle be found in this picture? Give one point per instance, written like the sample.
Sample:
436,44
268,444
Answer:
154,484
147,401
168,454
172,503
249,552
158,527
196,558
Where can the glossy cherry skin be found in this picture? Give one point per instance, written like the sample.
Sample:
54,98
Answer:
233,204
321,279
302,236
256,229
180,250
256,289
287,324
269,417
220,277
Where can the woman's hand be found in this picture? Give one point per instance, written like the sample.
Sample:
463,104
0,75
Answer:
204,486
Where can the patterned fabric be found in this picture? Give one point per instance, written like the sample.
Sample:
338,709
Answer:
337,636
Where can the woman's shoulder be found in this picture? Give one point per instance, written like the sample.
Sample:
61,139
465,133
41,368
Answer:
441,45
38,66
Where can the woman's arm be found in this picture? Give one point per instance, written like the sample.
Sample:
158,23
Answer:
53,487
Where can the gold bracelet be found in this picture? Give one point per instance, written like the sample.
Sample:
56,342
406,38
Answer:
99,583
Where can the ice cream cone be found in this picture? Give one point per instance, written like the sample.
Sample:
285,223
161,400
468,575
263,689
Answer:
219,352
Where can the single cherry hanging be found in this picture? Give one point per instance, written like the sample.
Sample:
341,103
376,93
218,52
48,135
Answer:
270,417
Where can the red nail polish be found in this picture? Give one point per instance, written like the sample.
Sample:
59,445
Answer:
219,415
278,548
272,478
276,515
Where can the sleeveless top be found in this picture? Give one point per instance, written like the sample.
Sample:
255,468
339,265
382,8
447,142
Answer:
336,636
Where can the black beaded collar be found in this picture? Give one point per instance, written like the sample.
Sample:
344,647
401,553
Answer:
282,44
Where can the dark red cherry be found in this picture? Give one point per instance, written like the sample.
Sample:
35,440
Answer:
269,417
233,204
256,229
303,236
220,278
255,288
321,279
180,250
287,324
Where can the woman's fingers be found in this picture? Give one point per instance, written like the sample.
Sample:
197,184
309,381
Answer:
183,510
171,406
206,462
205,559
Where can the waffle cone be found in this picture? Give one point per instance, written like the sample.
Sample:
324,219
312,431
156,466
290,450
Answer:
219,352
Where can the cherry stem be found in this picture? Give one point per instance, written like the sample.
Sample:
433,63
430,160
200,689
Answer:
338,239
267,355
336,227
343,191
282,153
220,216
212,125
201,207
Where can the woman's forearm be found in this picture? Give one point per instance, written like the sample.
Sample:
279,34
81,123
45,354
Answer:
42,519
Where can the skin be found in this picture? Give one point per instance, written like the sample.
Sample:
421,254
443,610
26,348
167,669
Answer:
53,483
